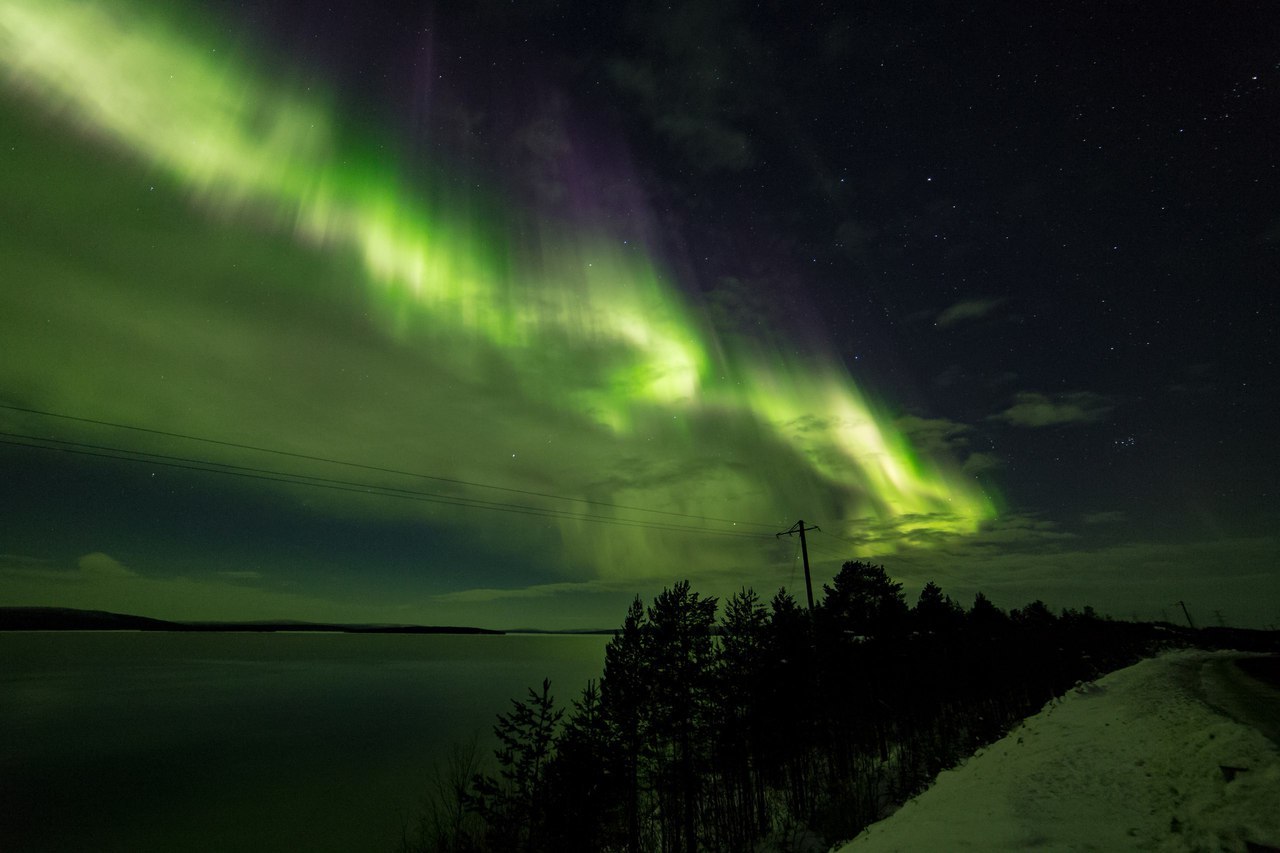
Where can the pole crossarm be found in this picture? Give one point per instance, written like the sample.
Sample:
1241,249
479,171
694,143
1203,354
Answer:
799,527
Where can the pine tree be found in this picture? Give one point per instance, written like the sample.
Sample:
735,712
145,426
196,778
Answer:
513,805
863,602
936,613
1035,616
985,618
624,696
579,810
740,730
791,702
679,657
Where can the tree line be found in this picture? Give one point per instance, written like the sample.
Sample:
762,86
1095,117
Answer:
760,725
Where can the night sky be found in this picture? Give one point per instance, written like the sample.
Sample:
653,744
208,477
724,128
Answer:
500,314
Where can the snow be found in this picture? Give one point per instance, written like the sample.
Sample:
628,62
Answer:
1137,760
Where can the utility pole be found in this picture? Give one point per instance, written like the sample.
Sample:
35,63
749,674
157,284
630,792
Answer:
1186,614
804,549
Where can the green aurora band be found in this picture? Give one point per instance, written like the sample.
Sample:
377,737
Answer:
578,330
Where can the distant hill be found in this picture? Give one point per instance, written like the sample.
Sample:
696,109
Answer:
71,619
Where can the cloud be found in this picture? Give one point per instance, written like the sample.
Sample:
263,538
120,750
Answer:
977,463
1108,517
544,590
957,374
23,560
699,77
937,533
934,435
854,238
542,148
100,582
954,374
745,309
1197,380
100,565
1033,410
966,309
1012,534
713,145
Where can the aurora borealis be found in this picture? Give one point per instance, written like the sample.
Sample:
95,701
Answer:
204,237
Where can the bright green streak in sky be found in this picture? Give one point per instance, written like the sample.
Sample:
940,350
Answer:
630,351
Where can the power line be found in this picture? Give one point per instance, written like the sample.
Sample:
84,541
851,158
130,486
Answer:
841,538
212,467
827,552
311,458
287,477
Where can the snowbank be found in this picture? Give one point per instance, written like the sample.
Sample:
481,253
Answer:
1134,761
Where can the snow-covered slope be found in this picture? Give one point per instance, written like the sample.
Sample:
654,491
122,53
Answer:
1135,761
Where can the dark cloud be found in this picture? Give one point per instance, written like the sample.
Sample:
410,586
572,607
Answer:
101,565
855,238
1033,410
980,463
541,150
966,309
935,435
1104,517
698,75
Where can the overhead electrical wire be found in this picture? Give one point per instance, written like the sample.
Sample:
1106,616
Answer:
827,552
312,458
841,538
288,477
292,478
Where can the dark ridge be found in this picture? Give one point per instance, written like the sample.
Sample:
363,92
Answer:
71,619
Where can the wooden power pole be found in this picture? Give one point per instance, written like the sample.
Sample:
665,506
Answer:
799,527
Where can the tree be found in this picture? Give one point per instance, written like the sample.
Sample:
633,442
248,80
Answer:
744,641
513,805
679,656
936,613
984,617
740,728
624,693
863,601
580,794
938,621
447,823
1035,615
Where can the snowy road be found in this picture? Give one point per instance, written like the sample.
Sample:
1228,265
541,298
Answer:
1230,688
1148,758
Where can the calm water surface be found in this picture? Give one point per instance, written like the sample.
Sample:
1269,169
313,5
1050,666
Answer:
141,742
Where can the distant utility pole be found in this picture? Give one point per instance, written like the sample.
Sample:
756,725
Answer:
804,549
1186,614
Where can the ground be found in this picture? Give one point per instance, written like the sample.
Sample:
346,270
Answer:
1152,757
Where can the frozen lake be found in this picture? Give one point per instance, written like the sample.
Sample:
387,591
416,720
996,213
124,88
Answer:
122,741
